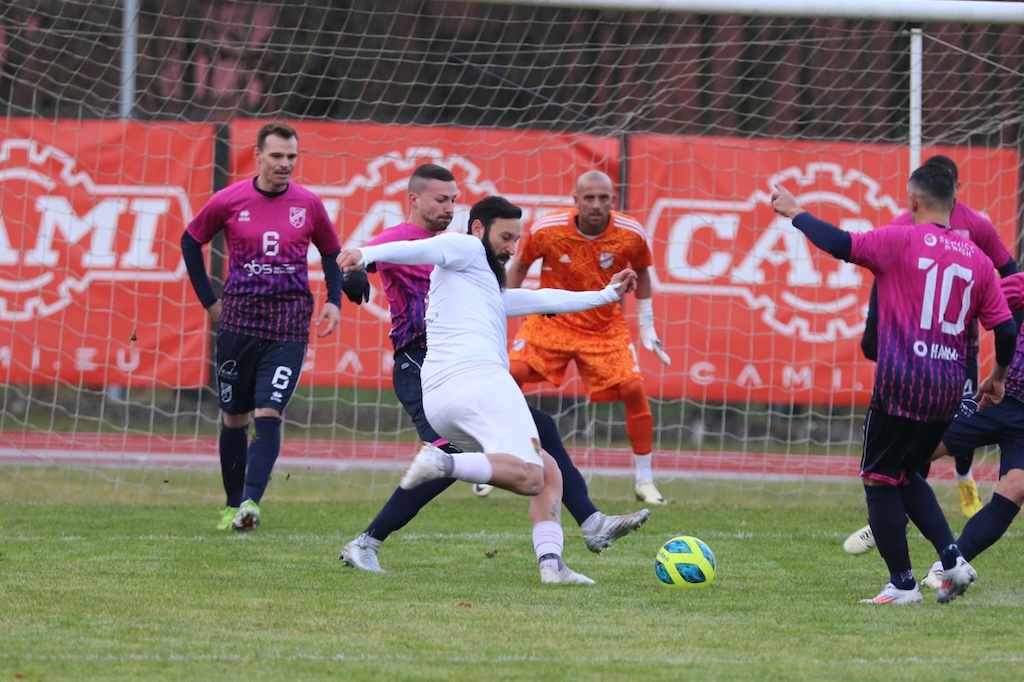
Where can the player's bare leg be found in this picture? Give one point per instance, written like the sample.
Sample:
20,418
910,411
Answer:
548,538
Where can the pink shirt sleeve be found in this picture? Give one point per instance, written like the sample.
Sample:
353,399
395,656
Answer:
982,232
209,221
992,305
324,237
1013,289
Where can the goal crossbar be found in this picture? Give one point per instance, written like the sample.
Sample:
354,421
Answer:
967,11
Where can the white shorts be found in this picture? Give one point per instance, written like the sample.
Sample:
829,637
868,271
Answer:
485,412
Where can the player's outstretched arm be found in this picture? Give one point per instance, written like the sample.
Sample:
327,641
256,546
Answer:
350,259
446,250
624,281
825,236
540,301
784,203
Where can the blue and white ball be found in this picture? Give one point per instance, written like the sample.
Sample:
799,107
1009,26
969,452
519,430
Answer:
685,562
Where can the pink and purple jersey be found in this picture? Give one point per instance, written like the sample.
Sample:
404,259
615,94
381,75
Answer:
969,223
405,287
267,292
1013,288
931,283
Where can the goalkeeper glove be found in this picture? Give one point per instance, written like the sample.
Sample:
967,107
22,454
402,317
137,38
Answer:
649,337
356,286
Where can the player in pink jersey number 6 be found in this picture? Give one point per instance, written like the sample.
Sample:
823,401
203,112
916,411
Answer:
268,224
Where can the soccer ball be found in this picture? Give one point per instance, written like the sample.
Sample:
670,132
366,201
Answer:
482,489
685,562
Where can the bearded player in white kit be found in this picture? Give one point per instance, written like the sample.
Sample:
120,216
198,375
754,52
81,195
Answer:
469,397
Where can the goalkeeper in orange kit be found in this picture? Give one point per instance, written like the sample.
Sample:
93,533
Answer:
582,248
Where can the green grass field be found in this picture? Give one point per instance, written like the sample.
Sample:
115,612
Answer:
132,591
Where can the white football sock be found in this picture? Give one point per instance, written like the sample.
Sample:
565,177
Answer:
473,467
642,464
548,539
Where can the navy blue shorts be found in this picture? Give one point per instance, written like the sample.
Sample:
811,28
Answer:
254,372
895,445
1001,425
405,376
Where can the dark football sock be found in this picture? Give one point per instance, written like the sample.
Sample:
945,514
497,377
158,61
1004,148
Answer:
924,511
964,462
263,452
233,446
987,526
403,505
887,519
575,496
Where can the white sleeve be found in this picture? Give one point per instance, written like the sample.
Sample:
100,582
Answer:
538,301
441,250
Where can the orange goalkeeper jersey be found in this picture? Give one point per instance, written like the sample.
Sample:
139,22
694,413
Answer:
574,262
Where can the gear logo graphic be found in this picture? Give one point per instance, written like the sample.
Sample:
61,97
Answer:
61,231
741,251
382,186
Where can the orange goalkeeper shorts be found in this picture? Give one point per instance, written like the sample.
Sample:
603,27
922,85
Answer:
602,361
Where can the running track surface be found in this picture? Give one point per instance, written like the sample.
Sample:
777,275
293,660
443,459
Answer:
112,450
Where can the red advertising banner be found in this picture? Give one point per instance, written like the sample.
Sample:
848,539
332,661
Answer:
362,171
749,308
93,290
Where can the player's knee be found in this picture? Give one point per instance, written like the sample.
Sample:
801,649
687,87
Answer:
552,474
941,451
267,412
235,421
634,397
1011,486
532,480
520,371
608,395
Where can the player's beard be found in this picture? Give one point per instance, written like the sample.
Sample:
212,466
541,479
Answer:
497,266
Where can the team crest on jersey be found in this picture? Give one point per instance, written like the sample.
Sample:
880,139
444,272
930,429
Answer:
605,260
536,445
297,216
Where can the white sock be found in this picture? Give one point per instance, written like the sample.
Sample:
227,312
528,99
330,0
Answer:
966,477
548,539
473,467
642,463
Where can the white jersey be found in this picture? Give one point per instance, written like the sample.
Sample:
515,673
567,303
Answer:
467,329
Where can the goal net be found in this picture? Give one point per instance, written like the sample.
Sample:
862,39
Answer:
120,120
